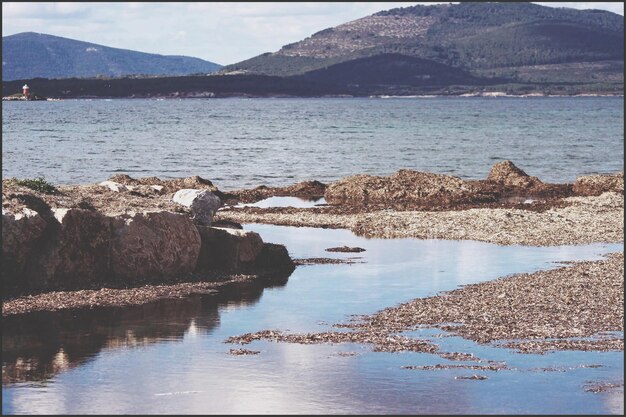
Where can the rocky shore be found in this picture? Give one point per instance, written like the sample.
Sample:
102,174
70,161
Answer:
124,234
566,308
131,241
576,307
508,207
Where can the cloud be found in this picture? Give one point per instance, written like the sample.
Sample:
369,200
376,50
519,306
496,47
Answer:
216,31
616,7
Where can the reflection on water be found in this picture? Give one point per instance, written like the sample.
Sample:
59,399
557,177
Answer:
170,356
284,202
37,346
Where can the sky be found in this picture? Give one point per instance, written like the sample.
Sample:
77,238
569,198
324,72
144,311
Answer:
224,33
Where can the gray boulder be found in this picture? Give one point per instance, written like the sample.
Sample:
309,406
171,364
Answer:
202,203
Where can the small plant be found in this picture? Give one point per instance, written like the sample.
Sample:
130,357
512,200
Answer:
38,184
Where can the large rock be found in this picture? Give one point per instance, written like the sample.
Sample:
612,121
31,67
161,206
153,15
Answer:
228,248
202,203
273,257
405,186
75,253
157,244
21,233
506,173
592,185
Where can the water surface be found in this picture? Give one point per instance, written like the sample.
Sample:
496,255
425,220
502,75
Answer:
242,143
170,356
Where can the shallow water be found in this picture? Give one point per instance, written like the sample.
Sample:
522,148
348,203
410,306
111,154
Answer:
169,356
242,143
285,202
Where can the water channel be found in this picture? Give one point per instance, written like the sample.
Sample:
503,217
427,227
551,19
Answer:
170,356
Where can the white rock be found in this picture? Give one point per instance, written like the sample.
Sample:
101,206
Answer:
114,186
203,204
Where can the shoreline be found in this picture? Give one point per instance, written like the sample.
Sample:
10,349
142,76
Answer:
495,94
583,220
110,296
406,204
575,307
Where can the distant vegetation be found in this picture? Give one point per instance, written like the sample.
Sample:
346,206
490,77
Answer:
31,55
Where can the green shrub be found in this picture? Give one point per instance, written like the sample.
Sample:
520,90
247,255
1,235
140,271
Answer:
38,184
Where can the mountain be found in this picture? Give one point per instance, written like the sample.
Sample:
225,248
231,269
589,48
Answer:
28,55
524,42
389,73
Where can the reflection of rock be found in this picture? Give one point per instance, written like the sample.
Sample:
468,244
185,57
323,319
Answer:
37,346
202,203
592,185
153,244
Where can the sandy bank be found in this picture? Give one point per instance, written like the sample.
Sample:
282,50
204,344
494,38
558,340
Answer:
568,308
582,220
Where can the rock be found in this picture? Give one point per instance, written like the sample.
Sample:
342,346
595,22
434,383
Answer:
157,244
345,249
594,185
506,173
21,233
75,254
228,248
227,224
169,186
273,257
203,204
305,189
405,186
114,186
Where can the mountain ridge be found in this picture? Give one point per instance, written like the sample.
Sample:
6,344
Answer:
469,36
29,55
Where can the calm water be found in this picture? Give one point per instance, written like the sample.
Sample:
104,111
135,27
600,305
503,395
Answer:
240,143
170,356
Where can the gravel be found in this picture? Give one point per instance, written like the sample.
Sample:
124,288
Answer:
567,308
581,220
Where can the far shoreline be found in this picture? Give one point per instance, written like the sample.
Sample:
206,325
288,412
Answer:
495,94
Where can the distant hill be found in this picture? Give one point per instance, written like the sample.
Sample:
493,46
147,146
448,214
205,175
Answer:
387,73
485,39
29,55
